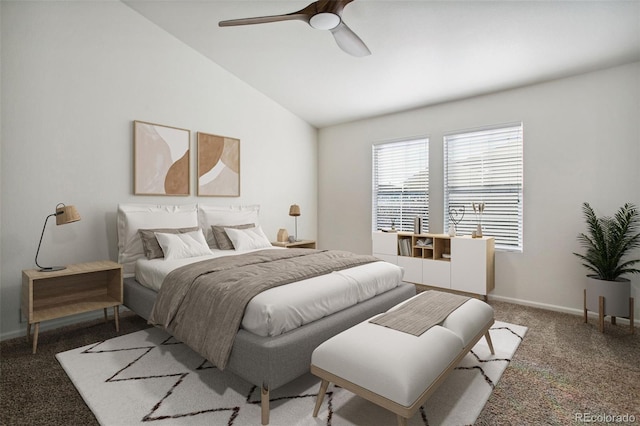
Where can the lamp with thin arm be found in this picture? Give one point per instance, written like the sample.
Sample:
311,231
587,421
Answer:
64,214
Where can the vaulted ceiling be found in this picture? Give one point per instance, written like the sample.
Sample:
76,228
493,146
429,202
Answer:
423,52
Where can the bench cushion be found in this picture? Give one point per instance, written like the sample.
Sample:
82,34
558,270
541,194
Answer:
397,365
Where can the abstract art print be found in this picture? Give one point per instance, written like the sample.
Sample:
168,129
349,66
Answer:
161,159
218,166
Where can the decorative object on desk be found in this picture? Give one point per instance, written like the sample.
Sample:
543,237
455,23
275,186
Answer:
294,211
161,159
456,214
292,239
607,241
218,166
417,225
425,242
478,209
64,214
283,235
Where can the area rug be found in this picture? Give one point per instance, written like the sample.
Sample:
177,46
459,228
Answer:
149,377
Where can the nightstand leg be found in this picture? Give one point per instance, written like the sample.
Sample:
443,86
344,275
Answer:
106,316
28,332
35,337
116,316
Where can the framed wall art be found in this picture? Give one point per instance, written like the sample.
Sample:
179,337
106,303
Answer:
218,166
161,159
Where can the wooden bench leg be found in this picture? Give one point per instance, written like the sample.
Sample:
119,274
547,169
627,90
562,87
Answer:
402,421
323,389
487,336
264,405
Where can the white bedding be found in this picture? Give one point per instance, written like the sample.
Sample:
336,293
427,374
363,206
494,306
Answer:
287,307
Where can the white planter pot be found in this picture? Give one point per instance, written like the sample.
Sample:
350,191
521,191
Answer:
616,294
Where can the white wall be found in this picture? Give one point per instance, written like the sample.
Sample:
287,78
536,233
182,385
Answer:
581,143
74,77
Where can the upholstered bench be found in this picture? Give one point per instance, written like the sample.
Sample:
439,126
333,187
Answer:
397,370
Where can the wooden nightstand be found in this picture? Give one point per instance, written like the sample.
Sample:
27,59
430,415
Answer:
79,288
310,244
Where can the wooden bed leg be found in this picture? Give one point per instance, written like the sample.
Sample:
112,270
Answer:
320,397
264,404
487,336
402,421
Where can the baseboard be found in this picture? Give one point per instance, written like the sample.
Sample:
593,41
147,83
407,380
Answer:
556,308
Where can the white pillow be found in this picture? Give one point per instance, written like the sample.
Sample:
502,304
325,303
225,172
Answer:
132,217
181,246
248,239
209,216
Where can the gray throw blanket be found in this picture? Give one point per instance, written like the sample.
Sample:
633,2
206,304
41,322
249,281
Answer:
202,304
422,312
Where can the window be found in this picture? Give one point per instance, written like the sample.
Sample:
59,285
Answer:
486,166
400,184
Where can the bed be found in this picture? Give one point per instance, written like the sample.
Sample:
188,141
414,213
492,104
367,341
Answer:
266,356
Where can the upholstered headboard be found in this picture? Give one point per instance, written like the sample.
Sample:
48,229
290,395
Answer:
132,217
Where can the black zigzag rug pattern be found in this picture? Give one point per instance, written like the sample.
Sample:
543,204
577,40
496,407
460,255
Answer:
148,377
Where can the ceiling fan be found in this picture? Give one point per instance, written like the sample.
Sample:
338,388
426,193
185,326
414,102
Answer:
321,15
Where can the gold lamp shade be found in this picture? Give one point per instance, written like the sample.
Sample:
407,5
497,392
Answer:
294,210
66,214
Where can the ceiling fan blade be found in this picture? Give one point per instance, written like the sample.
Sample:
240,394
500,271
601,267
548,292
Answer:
348,41
304,14
264,19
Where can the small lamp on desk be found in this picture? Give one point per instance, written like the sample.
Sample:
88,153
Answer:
294,211
64,214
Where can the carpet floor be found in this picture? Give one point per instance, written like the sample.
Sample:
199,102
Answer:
564,372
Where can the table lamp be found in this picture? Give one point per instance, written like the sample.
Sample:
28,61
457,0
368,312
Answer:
294,211
64,214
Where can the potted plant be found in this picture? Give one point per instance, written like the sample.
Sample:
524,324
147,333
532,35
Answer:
608,241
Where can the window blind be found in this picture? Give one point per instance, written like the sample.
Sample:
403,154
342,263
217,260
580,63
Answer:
400,184
486,165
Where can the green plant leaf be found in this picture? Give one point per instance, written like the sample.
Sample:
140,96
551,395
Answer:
608,240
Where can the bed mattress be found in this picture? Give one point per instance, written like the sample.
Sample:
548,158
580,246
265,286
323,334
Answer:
281,309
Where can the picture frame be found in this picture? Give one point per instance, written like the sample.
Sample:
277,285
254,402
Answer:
218,166
162,159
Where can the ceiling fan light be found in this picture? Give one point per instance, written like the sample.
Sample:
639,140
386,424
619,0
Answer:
324,21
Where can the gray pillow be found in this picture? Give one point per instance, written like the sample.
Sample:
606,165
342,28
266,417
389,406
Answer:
222,239
150,244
